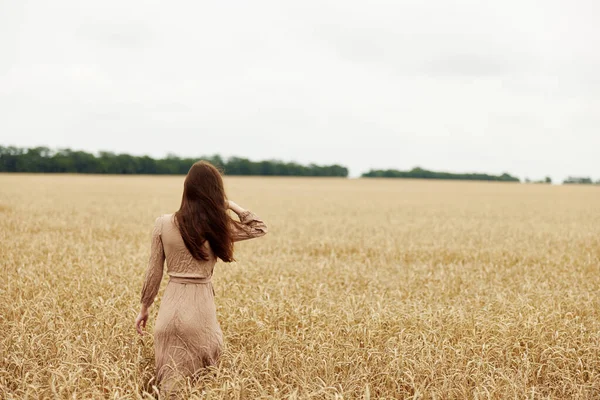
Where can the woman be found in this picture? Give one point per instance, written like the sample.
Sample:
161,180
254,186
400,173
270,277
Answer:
187,335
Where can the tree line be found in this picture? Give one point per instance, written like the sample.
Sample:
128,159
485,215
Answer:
420,173
43,159
577,180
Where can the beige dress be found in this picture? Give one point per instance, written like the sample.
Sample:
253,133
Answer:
187,335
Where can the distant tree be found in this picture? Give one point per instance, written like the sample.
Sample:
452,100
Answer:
266,168
146,165
9,159
575,180
217,161
548,180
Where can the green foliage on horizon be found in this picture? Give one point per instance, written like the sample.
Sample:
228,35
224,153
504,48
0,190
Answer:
575,180
43,159
419,173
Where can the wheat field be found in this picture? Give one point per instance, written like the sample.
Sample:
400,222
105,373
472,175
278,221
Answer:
363,289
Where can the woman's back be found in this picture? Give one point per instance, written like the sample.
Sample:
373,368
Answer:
180,261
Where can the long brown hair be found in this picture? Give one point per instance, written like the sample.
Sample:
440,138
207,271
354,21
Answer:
203,213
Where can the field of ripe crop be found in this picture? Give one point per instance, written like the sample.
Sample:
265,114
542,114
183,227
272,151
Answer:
362,289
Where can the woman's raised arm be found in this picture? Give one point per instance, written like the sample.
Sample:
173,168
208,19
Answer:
250,225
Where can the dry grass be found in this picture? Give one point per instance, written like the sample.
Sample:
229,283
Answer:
362,289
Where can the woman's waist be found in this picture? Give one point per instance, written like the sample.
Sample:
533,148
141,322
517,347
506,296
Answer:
189,279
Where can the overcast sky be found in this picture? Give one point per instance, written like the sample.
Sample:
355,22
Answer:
487,86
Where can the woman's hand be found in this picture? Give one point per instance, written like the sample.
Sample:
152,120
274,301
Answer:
234,207
141,320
